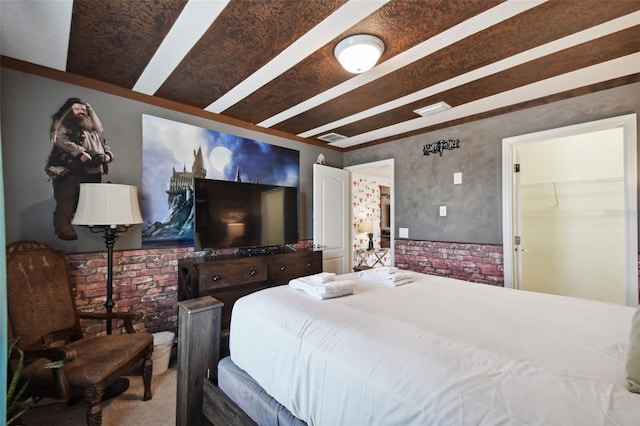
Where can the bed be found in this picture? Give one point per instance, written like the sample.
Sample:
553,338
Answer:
435,351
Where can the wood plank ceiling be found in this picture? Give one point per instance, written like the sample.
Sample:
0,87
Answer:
270,63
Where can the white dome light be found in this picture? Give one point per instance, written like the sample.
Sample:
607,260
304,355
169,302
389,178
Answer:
359,53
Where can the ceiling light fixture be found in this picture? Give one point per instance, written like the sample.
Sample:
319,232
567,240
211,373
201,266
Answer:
432,109
359,53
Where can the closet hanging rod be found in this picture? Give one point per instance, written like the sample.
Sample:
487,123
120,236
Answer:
574,182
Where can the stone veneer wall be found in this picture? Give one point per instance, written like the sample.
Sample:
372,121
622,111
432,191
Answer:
480,263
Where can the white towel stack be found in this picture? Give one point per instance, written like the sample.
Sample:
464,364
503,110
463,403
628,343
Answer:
323,285
384,270
322,277
387,275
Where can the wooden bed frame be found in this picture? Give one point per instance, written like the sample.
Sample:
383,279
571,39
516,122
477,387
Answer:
220,410
199,400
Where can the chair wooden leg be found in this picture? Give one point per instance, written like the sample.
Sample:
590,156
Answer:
147,373
93,398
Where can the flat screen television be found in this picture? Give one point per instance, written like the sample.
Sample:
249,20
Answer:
231,214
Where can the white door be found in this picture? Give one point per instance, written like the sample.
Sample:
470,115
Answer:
331,192
570,220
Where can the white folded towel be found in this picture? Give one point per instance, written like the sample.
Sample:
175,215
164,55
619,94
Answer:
397,276
389,280
323,291
322,296
384,270
396,283
322,277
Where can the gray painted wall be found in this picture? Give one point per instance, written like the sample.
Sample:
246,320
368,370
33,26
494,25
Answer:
29,101
422,183
474,208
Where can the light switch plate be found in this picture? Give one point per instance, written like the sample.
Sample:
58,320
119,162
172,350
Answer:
403,232
443,210
457,178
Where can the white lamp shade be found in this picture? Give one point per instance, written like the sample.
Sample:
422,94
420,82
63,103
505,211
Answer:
107,204
359,53
366,227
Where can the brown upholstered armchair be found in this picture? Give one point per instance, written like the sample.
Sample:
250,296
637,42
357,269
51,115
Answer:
42,312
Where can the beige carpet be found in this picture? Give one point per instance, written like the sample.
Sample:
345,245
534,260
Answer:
127,409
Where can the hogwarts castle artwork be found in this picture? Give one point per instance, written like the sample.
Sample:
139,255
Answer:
178,225
167,194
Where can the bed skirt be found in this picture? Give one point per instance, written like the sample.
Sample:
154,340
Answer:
251,398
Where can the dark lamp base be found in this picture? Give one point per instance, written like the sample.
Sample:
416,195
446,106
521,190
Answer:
370,242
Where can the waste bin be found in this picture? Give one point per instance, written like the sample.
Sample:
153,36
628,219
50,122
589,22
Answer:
162,344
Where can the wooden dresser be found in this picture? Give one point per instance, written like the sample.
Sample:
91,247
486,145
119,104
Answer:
229,278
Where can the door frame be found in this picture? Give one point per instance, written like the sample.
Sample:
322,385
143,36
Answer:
360,168
628,124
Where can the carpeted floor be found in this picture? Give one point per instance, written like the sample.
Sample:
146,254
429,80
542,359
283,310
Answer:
127,409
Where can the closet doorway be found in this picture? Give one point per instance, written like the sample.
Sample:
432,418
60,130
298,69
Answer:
570,211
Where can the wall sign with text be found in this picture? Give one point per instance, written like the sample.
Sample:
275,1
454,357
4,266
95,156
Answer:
440,146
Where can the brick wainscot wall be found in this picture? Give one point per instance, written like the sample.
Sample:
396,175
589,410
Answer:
479,263
146,280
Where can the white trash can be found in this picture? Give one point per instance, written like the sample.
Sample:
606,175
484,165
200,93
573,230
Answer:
162,344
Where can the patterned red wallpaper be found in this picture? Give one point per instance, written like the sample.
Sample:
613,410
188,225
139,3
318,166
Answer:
366,207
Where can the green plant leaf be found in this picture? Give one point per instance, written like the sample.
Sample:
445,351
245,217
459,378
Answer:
18,370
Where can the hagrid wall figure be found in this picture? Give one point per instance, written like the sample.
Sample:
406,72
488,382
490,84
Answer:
79,154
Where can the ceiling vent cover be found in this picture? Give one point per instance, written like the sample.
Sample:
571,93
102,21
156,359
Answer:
332,137
432,109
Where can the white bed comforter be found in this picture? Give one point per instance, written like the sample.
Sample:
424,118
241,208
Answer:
437,351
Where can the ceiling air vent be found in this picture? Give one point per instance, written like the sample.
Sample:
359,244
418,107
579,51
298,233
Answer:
432,109
332,137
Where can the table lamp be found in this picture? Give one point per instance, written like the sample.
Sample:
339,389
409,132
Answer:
368,228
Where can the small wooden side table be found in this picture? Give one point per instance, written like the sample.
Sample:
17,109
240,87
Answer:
367,259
